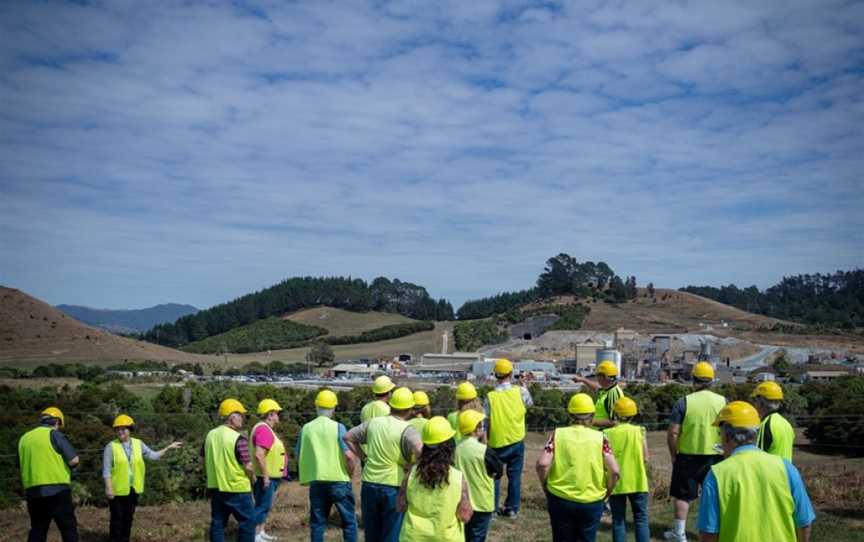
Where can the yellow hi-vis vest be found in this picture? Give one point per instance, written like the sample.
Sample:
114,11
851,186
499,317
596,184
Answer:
418,423
374,409
120,469
602,413
782,436
626,443
698,435
453,418
275,458
431,514
224,472
577,472
321,458
384,461
41,465
756,502
471,460
506,417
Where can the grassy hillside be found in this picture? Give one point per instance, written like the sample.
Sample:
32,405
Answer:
268,334
833,486
339,322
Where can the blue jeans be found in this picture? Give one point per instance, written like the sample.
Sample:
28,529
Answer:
263,498
239,505
513,456
381,521
322,496
573,521
476,529
639,503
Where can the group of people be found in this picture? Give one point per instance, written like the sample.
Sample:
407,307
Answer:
434,478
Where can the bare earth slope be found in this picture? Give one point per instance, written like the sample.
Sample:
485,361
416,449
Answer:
32,330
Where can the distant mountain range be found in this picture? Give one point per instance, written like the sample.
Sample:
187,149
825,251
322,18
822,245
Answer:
128,321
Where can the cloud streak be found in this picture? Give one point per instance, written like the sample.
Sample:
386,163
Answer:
196,152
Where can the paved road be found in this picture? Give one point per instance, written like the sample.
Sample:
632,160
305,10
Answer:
756,360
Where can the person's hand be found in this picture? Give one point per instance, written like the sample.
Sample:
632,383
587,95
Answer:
265,481
174,445
109,491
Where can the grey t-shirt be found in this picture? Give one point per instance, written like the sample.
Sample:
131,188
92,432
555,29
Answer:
62,446
678,412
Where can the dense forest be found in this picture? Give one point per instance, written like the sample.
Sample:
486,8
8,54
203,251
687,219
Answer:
830,299
299,293
563,275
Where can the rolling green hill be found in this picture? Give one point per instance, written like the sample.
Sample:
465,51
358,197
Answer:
268,334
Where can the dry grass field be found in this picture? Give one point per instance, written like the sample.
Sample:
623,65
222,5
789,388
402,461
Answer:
340,322
836,485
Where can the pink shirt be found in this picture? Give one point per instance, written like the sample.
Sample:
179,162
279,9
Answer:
264,437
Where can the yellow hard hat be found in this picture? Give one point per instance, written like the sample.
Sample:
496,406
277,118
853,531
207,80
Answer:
420,398
230,406
581,403
436,430
123,421
268,405
326,399
466,391
382,385
769,390
402,399
738,414
55,412
703,371
625,407
503,367
468,420
607,368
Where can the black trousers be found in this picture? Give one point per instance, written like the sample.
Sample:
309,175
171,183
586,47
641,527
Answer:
57,508
122,513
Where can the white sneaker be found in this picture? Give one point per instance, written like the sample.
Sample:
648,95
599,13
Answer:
268,537
673,536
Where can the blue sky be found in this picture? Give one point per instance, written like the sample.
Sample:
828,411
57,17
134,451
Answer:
193,152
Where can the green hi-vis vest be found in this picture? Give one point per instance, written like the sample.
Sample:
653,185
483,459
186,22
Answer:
418,423
600,404
41,465
755,499
577,465
275,458
374,409
431,514
698,435
506,417
453,418
321,458
626,441
120,469
471,460
782,436
384,461
223,471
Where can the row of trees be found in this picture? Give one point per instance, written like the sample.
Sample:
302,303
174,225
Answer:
299,293
562,275
822,299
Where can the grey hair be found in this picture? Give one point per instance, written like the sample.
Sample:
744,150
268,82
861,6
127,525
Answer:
741,435
325,412
582,419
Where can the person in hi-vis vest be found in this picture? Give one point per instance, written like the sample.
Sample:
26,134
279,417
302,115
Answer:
481,467
381,388
466,399
326,465
776,435
422,411
434,497
506,406
228,464
123,470
271,463
46,458
693,443
392,446
752,496
630,447
579,472
608,392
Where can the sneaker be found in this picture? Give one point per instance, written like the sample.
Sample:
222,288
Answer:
268,537
511,514
673,536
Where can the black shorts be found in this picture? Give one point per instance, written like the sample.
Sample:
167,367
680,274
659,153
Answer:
688,472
